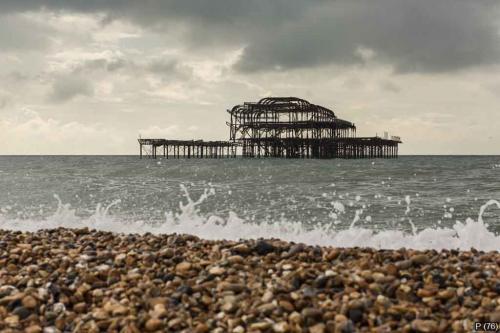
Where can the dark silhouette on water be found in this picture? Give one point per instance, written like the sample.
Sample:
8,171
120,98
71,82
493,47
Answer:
286,127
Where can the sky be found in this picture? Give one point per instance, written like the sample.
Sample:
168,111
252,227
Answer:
90,76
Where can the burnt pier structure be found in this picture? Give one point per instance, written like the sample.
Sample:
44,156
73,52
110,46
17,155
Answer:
283,127
186,148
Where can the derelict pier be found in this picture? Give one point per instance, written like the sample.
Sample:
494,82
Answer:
283,127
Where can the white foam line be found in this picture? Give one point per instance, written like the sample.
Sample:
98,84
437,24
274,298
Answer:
463,236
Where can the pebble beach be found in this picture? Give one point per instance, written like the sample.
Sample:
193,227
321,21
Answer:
81,280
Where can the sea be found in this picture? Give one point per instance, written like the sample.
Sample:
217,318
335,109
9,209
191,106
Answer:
420,202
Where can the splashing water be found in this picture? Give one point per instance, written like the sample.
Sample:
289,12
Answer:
189,220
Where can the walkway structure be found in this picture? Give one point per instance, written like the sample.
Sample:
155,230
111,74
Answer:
186,148
286,127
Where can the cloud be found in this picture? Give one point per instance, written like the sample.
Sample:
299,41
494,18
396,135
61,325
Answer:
19,33
30,133
409,35
68,87
155,131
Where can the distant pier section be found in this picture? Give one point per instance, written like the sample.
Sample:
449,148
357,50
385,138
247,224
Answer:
186,148
283,127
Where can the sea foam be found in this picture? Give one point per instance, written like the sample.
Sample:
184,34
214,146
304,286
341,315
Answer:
188,220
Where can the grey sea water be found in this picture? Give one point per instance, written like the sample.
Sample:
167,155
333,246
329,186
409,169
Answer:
410,194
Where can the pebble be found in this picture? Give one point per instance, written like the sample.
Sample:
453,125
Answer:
268,296
318,328
183,266
281,327
153,324
216,271
29,302
419,259
424,326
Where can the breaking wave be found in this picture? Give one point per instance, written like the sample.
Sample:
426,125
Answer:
188,220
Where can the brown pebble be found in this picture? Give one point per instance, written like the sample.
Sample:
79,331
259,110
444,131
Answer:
201,328
153,324
287,306
419,259
80,307
33,329
29,302
183,266
424,326
241,249
318,328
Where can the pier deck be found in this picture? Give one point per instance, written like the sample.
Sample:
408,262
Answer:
360,147
186,148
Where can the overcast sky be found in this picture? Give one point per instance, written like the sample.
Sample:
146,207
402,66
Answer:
89,76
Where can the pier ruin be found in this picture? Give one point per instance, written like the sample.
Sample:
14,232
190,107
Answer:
284,127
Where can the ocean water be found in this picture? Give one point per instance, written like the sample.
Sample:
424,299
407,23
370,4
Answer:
414,201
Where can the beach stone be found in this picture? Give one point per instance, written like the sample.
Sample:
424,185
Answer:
281,327
241,249
295,249
404,264
229,307
262,325
287,306
120,258
318,328
268,296
173,323
446,294
201,328
355,314
424,326
52,329
419,259
166,252
312,313
340,318
216,271
266,308
33,329
100,314
321,281
239,329
332,254
235,259
12,321
29,302
80,307
183,266
346,327
153,324
22,312
235,287
295,317
263,248
159,311
391,269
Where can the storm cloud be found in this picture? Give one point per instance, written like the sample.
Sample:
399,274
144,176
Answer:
408,35
68,87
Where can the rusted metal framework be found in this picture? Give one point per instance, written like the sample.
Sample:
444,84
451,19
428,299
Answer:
287,127
294,128
186,148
